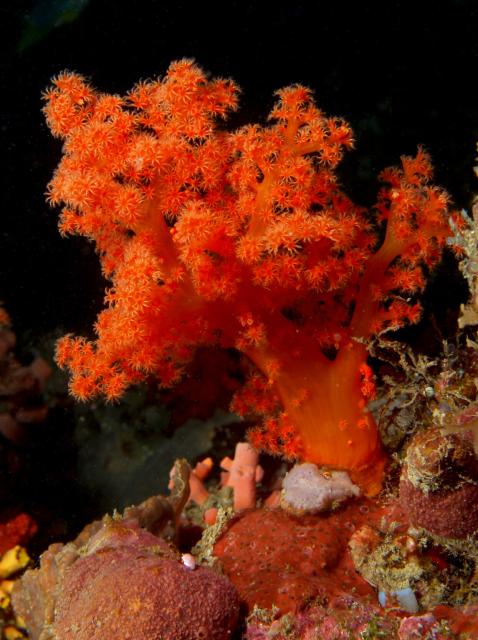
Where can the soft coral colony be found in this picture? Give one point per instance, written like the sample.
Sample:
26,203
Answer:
241,239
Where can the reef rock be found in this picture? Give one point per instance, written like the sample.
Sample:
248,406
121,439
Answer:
439,483
120,580
124,583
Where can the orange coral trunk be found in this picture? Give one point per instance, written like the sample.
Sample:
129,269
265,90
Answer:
331,417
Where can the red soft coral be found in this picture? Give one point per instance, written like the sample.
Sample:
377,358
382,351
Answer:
242,239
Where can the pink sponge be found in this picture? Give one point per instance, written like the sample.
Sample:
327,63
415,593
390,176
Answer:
125,583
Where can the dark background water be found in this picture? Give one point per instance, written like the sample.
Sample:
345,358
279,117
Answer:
401,73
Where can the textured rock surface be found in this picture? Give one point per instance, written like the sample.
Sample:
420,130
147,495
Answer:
451,513
439,483
124,583
277,559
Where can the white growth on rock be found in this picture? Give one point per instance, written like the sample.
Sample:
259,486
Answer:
307,489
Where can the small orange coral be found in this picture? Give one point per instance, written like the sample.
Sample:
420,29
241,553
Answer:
240,239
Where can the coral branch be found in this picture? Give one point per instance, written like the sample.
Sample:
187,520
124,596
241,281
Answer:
241,239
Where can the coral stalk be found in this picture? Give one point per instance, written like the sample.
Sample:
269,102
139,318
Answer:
241,239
